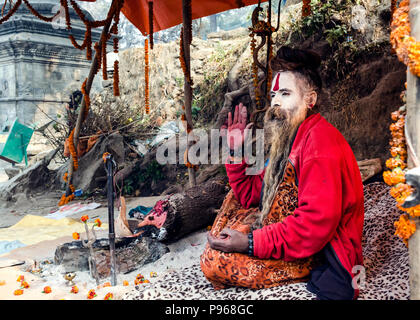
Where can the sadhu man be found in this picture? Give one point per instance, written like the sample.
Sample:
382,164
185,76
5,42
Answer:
301,219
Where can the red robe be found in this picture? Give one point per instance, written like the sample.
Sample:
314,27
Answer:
330,199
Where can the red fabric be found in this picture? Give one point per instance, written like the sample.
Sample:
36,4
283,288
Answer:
168,13
247,188
330,199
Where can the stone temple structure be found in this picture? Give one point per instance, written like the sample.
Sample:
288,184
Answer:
39,67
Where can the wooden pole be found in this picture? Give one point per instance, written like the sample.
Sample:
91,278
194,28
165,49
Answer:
91,76
186,23
413,139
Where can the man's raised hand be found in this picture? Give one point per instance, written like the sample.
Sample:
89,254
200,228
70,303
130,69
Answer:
237,129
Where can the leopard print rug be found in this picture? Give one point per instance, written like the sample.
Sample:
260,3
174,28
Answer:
385,260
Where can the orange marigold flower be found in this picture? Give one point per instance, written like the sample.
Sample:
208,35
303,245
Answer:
25,285
394,177
98,223
405,228
413,211
2,282
74,289
84,218
76,235
47,289
18,292
393,163
109,296
125,283
91,294
20,278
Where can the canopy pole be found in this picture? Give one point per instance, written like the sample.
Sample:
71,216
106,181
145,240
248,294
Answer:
413,132
93,68
186,23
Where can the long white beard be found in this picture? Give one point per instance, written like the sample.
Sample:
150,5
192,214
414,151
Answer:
280,134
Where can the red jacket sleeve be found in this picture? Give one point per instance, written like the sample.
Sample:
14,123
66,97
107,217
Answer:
314,221
246,188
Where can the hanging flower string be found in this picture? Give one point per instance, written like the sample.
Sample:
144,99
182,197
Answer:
396,178
405,46
185,69
11,12
100,50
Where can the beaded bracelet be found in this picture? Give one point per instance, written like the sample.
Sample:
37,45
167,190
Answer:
250,244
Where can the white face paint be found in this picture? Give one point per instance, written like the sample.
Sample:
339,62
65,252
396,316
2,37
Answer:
285,92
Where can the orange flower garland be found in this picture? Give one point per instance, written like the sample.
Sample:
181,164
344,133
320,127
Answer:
405,46
396,178
73,150
87,100
37,14
405,228
146,76
185,70
11,12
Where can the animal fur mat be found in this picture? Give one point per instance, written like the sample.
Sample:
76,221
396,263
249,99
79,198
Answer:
385,260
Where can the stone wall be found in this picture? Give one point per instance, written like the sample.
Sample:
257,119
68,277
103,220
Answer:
39,67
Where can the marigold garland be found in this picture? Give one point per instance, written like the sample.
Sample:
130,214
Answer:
37,14
87,100
185,69
11,12
146,76
405,228
396,177
405,46
72,150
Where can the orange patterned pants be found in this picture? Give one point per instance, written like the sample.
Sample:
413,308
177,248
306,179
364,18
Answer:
237,269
